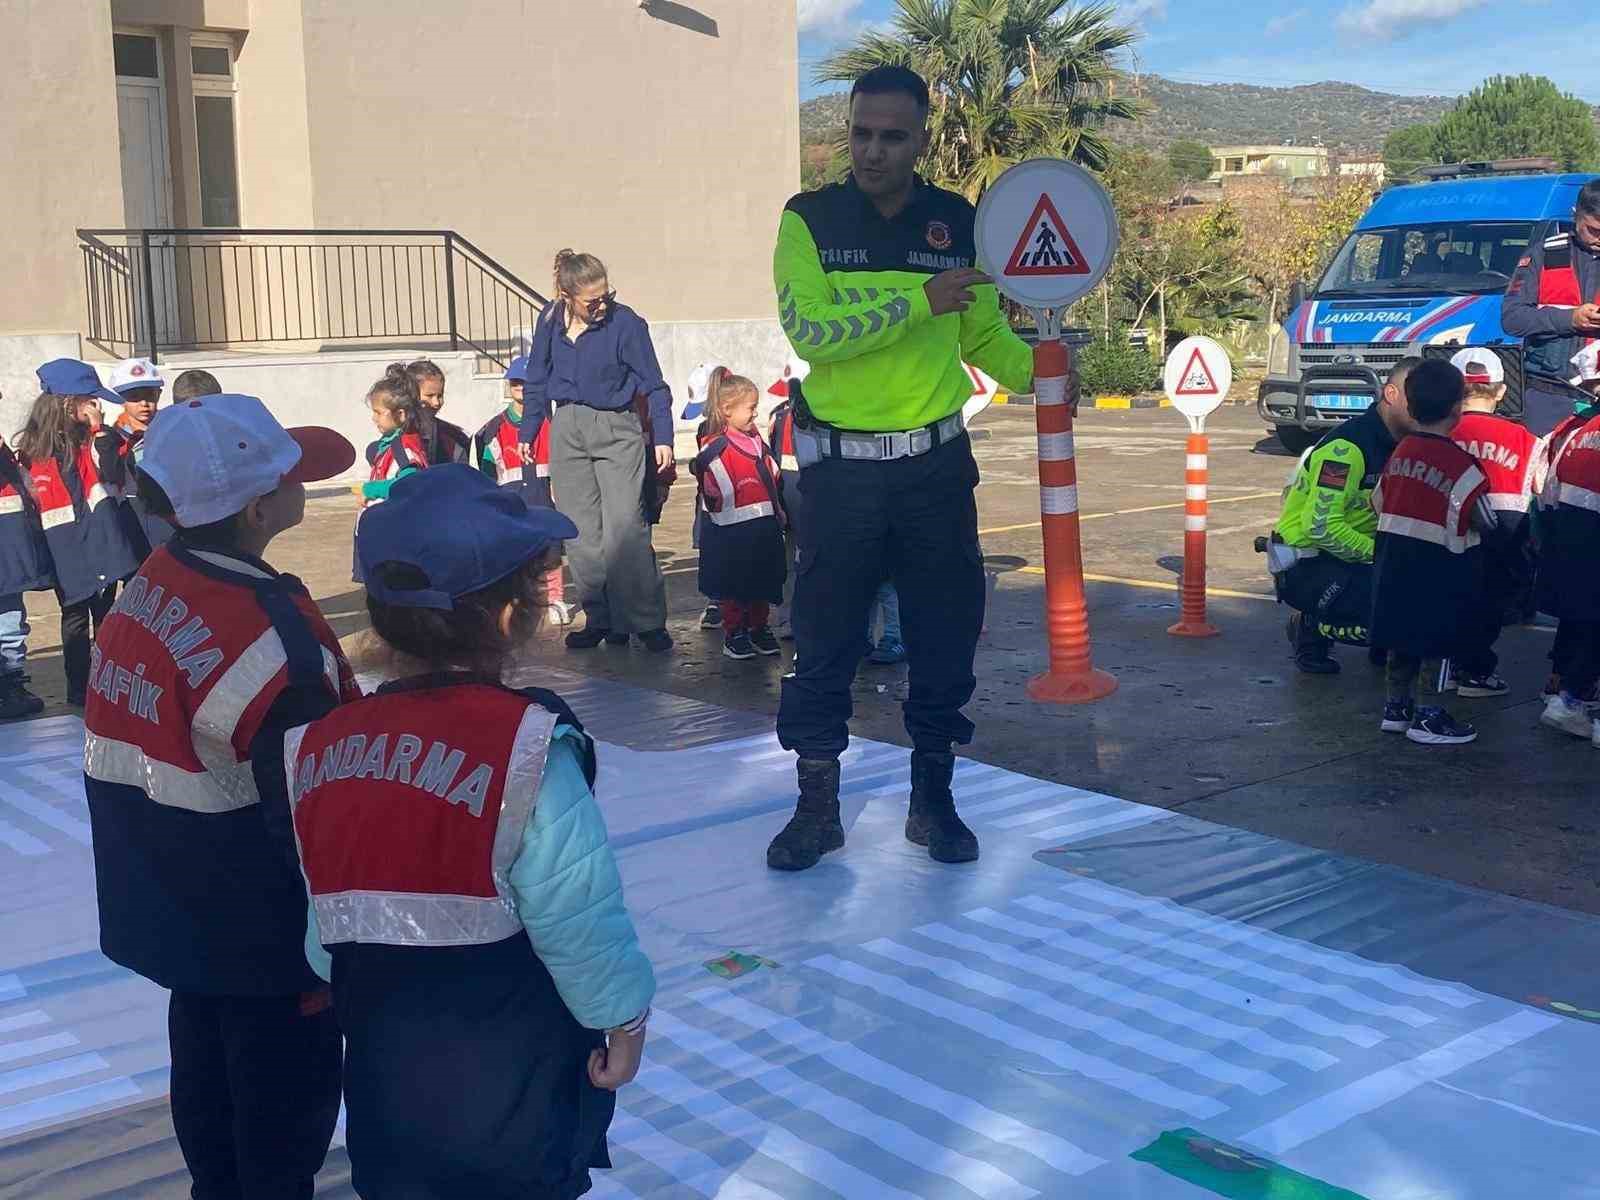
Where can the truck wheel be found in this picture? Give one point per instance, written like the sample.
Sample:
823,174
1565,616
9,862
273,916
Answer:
1296,440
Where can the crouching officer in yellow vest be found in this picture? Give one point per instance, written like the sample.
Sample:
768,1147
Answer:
877,291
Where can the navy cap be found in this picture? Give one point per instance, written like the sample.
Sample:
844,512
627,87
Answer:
71,377
459,528
517,372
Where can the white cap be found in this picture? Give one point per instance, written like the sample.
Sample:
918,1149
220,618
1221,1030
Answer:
796,369
133,373
1587,364
1479,366
700,380
215,454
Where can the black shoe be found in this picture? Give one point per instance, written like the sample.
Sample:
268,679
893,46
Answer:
814,830
765,642
1398,716
16,701
1475,687
586,638
1311,652
737,646
657,641
616,639
932,820
711,618
1435,727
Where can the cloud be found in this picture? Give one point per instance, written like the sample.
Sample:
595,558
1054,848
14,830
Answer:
1281,25
1397,18
821,15
1135,11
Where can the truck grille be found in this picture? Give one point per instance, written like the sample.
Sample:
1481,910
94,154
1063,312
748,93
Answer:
1378,355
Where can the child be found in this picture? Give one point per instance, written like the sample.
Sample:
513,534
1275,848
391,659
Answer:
1508,454
1427,597
1587,380
501,457
208,657
24,567
1569,570
470,916
89,546
139,384
399,450
741,544
888,649
193,384
445,442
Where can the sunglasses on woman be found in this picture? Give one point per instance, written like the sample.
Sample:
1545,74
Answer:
593,306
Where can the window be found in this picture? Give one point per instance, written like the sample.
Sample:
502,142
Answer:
212,61
135,56
1459,259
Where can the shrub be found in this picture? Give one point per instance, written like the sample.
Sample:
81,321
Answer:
1113,367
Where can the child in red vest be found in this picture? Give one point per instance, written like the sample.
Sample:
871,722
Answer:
399,450
465,903
444,441
1509,456
138,384
78,510
741,540
1433,511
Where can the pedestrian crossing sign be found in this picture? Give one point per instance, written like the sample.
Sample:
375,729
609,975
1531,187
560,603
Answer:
1196,379
1046,246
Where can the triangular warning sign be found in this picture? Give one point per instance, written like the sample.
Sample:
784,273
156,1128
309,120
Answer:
1196,379
1046,246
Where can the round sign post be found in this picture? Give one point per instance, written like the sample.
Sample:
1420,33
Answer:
1197,378
1047,234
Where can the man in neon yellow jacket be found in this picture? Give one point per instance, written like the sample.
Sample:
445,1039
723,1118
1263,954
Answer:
878,291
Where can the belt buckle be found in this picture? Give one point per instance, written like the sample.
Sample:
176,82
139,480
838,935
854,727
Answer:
896,445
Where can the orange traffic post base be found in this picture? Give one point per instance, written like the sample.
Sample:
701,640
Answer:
1072,677
1192,621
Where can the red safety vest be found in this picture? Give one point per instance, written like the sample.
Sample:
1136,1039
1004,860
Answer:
1575,478
55,498
783,437
1427,492
409,809
506,453
1558,282
736,486
1508,454
405,451
183,673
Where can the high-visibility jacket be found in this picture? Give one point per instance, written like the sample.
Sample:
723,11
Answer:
464,1066
1509,456
1327,507
24,557
82,526
202,662
1428,570
1569,522
852,300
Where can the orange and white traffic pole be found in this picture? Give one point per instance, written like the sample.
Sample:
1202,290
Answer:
1192,617
1072,677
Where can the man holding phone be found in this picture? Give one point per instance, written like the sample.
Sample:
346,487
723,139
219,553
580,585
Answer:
878,291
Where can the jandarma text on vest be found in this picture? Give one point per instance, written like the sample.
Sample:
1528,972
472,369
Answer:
351,757
1491,452
167,617
1418,469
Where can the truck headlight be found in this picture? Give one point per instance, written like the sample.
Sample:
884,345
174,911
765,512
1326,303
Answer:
1278,352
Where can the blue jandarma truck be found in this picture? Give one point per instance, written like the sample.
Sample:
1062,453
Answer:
1424,271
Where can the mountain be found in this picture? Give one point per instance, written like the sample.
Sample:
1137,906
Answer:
1351,121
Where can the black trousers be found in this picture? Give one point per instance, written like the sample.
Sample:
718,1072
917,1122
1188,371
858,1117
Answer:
1334,595
79,623
255,1093
913,521
1576,655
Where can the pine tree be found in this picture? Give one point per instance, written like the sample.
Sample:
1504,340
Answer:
1519,116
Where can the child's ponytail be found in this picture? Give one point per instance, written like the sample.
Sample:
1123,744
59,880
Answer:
397,392
722,388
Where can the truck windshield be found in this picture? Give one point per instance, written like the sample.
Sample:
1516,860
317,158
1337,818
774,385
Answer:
1460,257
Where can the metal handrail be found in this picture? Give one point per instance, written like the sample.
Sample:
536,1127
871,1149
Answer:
176,288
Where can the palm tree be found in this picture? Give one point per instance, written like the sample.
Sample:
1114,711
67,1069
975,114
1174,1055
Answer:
1010,80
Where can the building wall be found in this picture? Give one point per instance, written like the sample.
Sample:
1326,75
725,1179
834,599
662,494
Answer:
58,139
676,145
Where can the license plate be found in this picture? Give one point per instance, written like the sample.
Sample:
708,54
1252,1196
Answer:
1343,401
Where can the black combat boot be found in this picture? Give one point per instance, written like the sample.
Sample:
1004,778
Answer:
16,701
814,830
1312,652
932,821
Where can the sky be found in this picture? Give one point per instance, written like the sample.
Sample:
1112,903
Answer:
1411,47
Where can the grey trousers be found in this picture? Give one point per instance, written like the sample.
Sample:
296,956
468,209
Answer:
597,465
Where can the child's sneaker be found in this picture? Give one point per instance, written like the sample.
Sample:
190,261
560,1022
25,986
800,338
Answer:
560,613
888,652
711,618
737,646
1568,715
1473,687
1435,727
1398,716
764,641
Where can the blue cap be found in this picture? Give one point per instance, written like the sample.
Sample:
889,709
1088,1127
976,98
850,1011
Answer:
457,527
71,377
517,372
